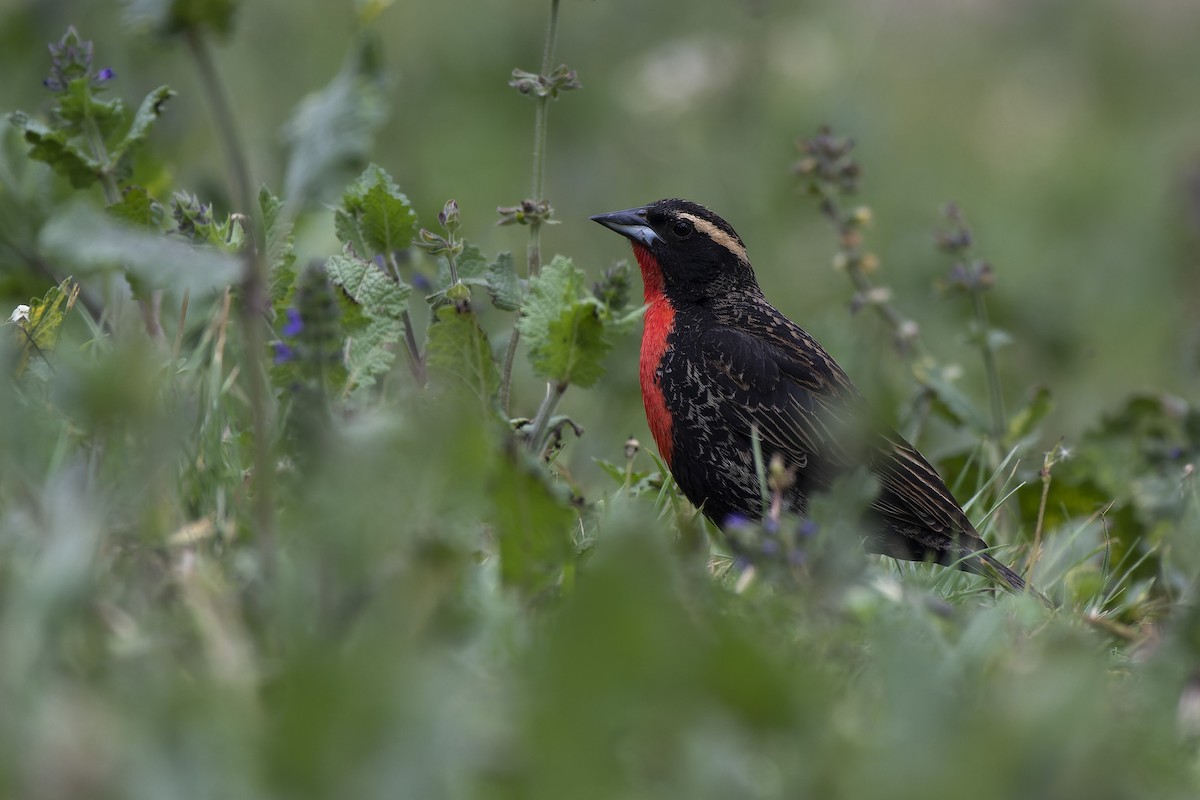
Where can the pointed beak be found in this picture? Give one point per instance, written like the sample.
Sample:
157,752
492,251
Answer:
631,224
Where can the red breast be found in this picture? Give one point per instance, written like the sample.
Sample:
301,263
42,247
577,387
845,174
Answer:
658,323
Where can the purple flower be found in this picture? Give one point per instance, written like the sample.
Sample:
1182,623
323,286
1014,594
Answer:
807,528
283,353
294,323
735,521
103,75
421,283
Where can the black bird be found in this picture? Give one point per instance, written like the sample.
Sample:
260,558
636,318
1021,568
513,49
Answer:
718,360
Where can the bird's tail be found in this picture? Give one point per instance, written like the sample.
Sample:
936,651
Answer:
989,567
992,568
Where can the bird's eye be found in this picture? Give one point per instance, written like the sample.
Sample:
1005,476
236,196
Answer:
683,228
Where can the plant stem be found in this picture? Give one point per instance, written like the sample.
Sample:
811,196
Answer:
1047,464
989,366
542,105
903,329
533,252
416,361
112,193
254,296
554,393
223,119
510,356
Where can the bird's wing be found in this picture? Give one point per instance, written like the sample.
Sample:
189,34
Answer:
802,404
913,495
786,383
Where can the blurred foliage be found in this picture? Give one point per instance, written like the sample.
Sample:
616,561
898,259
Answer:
458,601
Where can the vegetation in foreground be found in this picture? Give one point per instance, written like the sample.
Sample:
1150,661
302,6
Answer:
270,525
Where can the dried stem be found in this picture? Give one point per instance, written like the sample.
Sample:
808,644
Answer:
1049,460
904,330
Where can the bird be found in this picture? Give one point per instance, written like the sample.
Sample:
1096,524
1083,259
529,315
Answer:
720,367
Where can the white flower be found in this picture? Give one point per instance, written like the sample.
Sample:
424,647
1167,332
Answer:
20,314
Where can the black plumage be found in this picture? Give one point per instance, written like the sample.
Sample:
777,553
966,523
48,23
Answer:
719,361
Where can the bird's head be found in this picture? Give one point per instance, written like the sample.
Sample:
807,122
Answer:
685,251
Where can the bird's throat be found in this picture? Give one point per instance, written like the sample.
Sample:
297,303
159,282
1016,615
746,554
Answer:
658,324
652,277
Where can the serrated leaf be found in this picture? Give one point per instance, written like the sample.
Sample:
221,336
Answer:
38,332
137,207
280,249
375,217
78,105
331,131
383,302
89,240
372,351
194,220
459,347
564,329
280,244
533,527
53,148
389,223
503,283
147,114
576,347
379,294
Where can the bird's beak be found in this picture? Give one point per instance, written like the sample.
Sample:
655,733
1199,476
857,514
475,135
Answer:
631,224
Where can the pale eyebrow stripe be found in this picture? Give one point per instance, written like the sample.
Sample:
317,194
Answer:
719,236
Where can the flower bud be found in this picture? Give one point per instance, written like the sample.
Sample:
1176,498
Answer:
448,217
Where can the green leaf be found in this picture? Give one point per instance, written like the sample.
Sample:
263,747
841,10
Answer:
137,207
149,112
383,302
564,329
503,284
375,217
472,271
54,148
472,265
533,525
89,240
37,332
280,243
280,248
332,131
459,347
379,294
195,221
80,109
